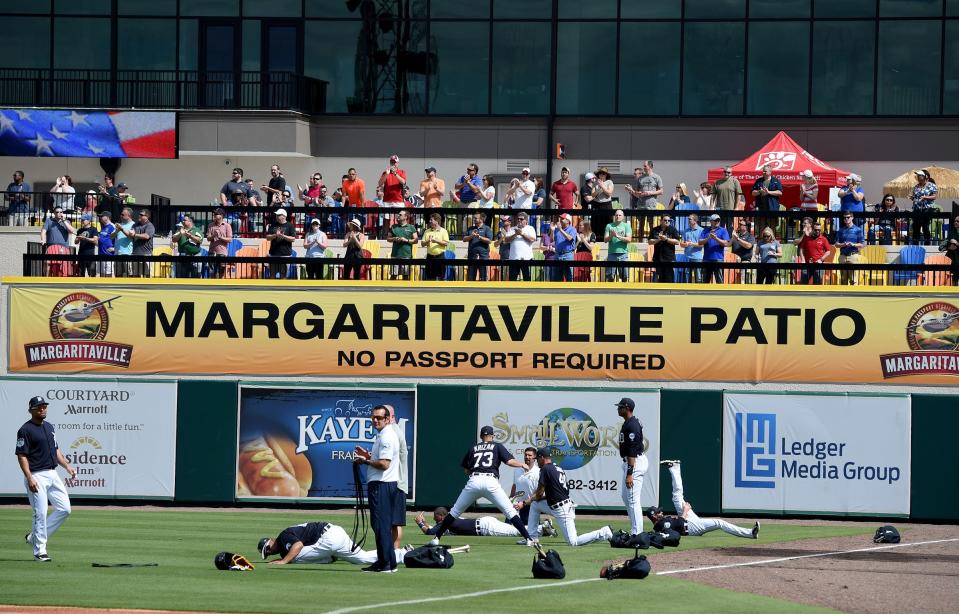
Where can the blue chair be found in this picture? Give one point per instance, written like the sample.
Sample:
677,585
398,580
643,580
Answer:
450,274
681,274
205,271
234,246
911,254
681,222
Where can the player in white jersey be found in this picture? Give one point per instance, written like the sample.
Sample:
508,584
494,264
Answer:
525,481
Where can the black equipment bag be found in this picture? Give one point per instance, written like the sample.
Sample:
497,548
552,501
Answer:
428,557
635,568
548,566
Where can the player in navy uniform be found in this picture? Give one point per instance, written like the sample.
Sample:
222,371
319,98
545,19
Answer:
552,497
481,463
39,455
635,463
482,526
688,522
316,542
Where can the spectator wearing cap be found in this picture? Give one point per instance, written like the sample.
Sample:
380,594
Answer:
402,235
849,240
618,234
564,194
123,242
315,243
57,230
143,232
105,243
432,188
664,239
521,247
691,246
353,242
187,240
468,186
393,180
520,192
714,241
852,197
923,205
587,194
125,197
565,240
603,197
635,463
235,185
728,191
808,191
435,240
109,195
87,239
219,233
281,235
477,247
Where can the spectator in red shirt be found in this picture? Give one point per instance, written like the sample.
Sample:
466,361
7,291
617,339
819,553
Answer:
311,194
814,248
564,193
393,180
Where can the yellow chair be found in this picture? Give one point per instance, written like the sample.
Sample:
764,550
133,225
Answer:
164,268
373,247
873,254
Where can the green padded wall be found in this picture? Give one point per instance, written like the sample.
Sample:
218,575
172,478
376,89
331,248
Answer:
446,426
206,441
691,430
935,483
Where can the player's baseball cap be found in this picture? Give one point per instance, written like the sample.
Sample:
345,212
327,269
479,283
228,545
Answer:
626,402
262,545
486,430
544,452
652,509
37,401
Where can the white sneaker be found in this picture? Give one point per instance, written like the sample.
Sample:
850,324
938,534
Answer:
607,532
669,463
435,541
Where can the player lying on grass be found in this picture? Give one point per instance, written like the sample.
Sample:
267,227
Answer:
688,522
483,526
316,542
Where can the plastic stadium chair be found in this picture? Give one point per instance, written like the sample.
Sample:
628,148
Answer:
911,254
234,246
538,273
493,271
245,270
205,270
935,278
681,222
873,254
681,274
450,274
582,273
327,270
732,276
162,269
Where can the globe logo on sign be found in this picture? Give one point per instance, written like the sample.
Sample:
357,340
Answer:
572,435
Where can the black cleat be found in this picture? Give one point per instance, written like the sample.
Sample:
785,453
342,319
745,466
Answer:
756,530
43,558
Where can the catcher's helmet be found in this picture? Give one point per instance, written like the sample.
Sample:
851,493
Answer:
262,545
886,534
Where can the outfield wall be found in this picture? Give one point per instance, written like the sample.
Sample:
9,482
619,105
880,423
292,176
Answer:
202,457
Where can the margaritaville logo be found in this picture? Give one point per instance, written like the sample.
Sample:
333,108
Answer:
78,326
933,337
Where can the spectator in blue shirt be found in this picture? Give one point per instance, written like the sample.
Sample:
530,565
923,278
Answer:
714,241
105,243
564,240
852,197
18,195
849,240
767,190
691,246
469,186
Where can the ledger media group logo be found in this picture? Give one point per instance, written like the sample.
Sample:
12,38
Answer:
755,450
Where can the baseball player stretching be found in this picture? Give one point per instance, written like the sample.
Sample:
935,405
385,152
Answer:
316,542
635,463
486,526
688,522
481,464
39,455
552,497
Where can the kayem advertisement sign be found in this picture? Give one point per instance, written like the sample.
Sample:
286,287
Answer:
349,329
120,435
299,442
582,427
818,453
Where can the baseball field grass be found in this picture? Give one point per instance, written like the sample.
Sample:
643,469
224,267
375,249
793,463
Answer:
183,544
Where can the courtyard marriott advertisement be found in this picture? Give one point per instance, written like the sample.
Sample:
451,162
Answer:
485,331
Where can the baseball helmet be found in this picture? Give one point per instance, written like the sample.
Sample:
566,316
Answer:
228,561
262,545
886,534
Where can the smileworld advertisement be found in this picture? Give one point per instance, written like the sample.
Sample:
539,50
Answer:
582,428
120,435
484,331
817,453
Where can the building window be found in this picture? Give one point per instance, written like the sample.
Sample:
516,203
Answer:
586,68
951,85
146,7
146,44
910,8
529,9
459,9
843,88
273,8
715,9
81,43
461,83
663,9
521,67
713,67
649,68
845,8
593,9
778,75
210,8
779,8
27,33
910,53
332,53
82,7
19,6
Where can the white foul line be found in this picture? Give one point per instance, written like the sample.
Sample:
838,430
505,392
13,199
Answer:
660,573
803,556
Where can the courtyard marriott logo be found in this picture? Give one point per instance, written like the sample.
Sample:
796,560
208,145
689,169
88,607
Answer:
78,326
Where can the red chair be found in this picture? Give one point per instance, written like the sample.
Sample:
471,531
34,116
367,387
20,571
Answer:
582,273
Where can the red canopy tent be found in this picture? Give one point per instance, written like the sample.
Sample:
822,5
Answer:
787,160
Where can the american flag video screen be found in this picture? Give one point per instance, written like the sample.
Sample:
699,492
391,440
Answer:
73,133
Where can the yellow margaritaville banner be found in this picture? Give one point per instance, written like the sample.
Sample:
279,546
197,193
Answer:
485,331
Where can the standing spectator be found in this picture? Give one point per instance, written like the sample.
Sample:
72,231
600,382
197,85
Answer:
766,190
435,240
770,251
618,234
432,189
109,195
664,239
714,241
393,180
814,247
143,232
478,240
315,244
64,192
57,230
564,194
680,196
105,243
285,199
505,230
808,191
521,247
951,248
281,235
18,195
231,187
852,198
403,236
469,185
634,187
728,191
886,227
743,242
548,250
87,239
220,234
187,240
923,205
585,240
487,194
275,188
692,248
310,195
566,240
252,194
92,202
603,197
520,191
381,480
849,240
125,197
353,242
539,196
705,199
650,189
354,189
123,242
